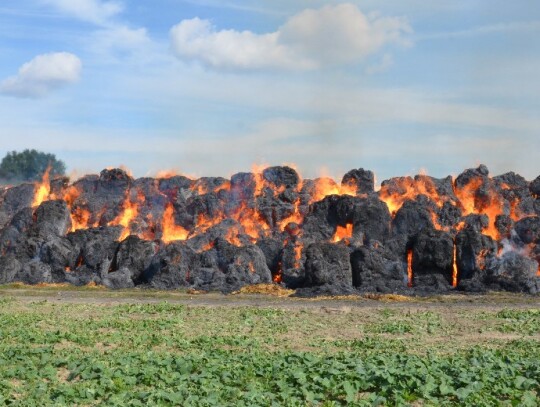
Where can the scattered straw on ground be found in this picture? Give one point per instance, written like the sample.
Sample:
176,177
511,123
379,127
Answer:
53,285
92,284
16,285
268,289
66,286
193,291
388,297
351,297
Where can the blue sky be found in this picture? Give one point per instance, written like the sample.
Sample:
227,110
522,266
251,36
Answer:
210,87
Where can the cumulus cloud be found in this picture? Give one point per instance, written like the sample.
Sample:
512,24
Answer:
94,11
42,75
197,39
331,35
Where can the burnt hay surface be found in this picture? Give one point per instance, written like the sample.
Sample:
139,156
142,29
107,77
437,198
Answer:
472,234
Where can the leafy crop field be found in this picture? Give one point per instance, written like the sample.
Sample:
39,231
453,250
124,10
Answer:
165,353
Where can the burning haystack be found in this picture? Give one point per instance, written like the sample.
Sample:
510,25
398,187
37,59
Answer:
414,235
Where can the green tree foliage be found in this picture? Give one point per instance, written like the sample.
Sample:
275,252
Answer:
29,165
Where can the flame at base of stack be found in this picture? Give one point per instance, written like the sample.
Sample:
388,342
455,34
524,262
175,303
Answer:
454,267
409,268
278,276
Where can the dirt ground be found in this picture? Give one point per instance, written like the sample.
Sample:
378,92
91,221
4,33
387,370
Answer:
275,299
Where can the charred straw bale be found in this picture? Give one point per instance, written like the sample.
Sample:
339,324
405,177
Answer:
415,235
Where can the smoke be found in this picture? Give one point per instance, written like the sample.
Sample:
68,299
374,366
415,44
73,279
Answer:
511,245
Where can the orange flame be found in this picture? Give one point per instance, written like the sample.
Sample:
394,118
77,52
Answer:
492,205
401,189
454,267
207,247
514,210
126,170
259,180
298,254
327,186
226,186
79,261
277,278
492,211
129,212
436,223
249,218
232,236
481,257
408,188
201,189
172,231
165,174
295,217
409,268
80,219
70,195
343,232
466,195
42,189
204,222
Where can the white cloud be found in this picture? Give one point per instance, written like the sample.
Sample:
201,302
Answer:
95,11
197,39
123,37
119,40
331,35
113,39
43,74
340,34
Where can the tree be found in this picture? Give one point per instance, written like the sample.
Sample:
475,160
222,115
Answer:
29,165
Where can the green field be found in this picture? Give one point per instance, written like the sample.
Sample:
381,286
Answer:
299,353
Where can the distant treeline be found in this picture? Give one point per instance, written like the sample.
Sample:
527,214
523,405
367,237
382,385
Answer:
29,165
